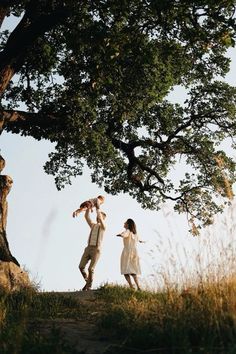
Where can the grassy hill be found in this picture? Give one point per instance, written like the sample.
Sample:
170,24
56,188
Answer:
115,319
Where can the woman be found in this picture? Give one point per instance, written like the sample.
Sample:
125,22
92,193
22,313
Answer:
129,258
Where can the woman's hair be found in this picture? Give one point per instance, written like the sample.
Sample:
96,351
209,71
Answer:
131,226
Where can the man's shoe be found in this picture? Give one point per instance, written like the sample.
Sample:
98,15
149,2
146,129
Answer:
86,287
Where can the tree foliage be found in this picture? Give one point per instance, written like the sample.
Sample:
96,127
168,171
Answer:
94,77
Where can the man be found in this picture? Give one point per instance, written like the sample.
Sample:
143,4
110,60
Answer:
93,249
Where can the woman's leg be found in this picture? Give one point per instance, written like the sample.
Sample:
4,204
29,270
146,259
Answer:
135,277
127,277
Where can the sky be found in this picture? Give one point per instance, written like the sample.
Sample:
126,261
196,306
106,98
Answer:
48,242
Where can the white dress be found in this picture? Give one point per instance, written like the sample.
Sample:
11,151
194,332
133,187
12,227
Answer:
129,263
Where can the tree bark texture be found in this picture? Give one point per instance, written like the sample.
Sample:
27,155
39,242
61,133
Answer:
3,12
5,187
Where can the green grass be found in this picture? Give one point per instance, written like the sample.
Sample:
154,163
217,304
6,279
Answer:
21,311
201,319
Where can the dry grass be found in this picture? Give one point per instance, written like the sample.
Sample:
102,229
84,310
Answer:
191,303
189,307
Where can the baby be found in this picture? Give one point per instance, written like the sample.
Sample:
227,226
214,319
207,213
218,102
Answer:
89,204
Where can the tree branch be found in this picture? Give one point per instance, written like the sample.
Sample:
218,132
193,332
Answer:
4,8
30,28
3,13
128,149
20,121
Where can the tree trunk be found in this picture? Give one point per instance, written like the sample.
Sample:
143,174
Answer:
5,187
32,26
5,76
3,12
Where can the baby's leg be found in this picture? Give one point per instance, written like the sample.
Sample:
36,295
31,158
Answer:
85,205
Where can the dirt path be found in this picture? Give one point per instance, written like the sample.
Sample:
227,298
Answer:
80,334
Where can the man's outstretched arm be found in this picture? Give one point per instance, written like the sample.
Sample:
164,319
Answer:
100,218
87,217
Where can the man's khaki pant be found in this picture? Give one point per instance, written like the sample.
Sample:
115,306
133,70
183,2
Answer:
92,254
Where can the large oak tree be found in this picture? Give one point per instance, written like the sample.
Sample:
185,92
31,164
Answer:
94,77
